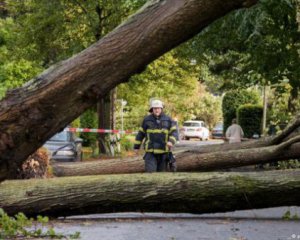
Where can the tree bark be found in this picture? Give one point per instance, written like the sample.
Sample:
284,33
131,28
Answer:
163,192
33,113
187,161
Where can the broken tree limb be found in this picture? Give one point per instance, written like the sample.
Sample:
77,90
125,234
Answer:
157,192
42,107
187,161
289,132
291,128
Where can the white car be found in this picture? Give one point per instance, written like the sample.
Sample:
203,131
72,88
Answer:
194,129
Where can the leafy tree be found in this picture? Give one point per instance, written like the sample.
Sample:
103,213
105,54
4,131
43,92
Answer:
209,109
246,48
171,79
14,70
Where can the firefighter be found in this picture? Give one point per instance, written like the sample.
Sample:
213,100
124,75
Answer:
160,134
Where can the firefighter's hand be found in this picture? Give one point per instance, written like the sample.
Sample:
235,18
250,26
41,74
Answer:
169,144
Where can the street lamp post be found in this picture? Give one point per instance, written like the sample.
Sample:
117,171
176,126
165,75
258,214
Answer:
265,104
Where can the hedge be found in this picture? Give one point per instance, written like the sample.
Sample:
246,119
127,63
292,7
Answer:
233,100
250,119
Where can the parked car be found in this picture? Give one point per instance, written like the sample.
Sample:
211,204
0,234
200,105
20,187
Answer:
65,147
194,129
217,131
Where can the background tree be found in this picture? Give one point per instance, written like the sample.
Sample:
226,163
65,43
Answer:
259,47
174,80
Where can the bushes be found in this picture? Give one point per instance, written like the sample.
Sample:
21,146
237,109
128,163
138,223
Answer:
22,227
233,100
250,119
127,143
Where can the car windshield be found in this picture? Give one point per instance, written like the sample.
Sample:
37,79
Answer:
219,125
62,136
191,124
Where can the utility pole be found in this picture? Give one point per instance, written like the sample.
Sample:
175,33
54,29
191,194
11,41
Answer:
265,104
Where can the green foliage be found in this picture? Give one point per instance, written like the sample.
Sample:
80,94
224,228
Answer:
288,216
51,31
127,143
173,80
37,34
208,109
257,46
14,73
14,69
279,113
89,120
233,100
290,164
22,227
250,119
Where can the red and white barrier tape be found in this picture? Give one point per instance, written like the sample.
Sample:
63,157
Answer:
96,130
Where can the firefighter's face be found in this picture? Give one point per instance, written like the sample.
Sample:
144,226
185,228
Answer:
157,111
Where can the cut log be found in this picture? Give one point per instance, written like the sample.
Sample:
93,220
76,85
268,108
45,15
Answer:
42,107
187,161
157,192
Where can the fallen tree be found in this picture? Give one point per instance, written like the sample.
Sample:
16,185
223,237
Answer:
188,160
283,146
42,107
158,192
289,132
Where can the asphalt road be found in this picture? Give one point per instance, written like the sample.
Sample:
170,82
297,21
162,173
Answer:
265,224
194,142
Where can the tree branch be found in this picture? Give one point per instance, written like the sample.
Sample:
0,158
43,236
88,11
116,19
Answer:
287,131
287,143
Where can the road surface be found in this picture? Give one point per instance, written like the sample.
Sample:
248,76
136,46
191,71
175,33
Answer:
265,224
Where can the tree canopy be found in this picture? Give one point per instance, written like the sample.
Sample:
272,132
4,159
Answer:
259,46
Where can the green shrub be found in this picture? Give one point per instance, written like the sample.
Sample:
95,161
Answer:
231,102
21,227
250,118
126,143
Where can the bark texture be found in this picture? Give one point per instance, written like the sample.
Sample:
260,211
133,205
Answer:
186,161
164,192
33,113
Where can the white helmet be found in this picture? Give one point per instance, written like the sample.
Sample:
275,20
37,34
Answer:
156,104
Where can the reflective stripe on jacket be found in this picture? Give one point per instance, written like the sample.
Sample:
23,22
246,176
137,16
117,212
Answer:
157,132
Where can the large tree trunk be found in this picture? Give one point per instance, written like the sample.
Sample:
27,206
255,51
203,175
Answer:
185,192
33,113
188,160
